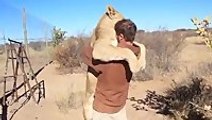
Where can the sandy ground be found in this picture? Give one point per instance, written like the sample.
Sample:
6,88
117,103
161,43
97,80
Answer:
59,87
195,53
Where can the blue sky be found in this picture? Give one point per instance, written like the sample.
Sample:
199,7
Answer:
81,16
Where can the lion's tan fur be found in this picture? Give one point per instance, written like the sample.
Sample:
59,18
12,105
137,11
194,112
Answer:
105,48
104,42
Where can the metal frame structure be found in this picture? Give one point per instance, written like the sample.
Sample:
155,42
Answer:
17,56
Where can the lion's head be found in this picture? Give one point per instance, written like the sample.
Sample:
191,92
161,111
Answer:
105,27
110,18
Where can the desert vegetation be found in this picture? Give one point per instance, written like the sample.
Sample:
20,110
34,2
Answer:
67,54
191,100
183,100
163,50
202,29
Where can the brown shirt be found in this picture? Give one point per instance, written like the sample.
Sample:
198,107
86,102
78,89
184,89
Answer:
112,85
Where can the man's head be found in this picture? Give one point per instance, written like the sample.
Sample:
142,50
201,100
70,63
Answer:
125,30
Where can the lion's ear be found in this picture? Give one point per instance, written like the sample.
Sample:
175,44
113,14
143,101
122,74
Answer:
111,11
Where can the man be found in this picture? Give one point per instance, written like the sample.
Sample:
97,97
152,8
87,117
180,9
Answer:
113,77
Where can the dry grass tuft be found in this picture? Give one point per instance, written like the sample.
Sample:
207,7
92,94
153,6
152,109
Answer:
68,102
185,101
67,54
163,50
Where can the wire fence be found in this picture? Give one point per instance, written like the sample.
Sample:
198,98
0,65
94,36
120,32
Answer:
12,25
39,34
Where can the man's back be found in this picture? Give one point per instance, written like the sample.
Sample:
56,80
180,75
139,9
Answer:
112,86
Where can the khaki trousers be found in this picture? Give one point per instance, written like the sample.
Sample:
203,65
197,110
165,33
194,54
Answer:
121,115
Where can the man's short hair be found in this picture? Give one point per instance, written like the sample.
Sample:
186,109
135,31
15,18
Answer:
127,28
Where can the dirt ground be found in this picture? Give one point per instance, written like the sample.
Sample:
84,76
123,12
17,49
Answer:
58,87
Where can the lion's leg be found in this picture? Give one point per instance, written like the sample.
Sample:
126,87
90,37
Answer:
89,96
88,107
139,63
108,52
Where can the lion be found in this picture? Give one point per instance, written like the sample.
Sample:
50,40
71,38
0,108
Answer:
104,43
